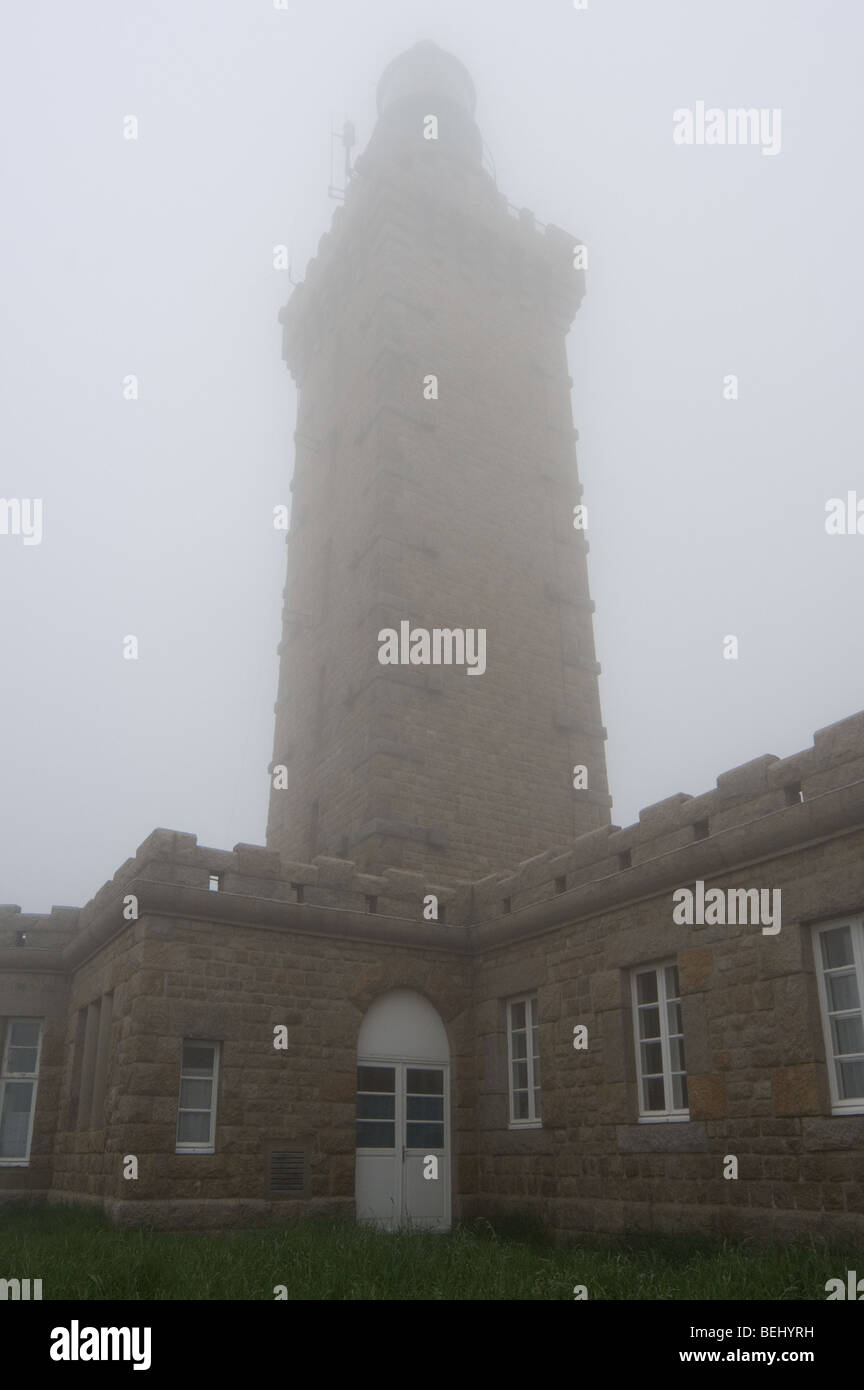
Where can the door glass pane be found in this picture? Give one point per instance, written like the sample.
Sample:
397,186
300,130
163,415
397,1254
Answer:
424,1136
423,1082
376,1134
425,1107
376,1078
15,1119
376,1107
520,1105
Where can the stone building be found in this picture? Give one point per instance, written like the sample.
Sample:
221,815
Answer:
448,986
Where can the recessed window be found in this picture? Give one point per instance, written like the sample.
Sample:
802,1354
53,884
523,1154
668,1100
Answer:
20,1048
794,794
659,1041
840,967
215,883
700,830
196,1115
625,859
523,1058
298,893
371,904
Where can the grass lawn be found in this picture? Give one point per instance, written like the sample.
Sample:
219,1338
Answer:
79,1255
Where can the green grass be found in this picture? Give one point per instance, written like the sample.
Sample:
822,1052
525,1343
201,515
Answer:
79,1255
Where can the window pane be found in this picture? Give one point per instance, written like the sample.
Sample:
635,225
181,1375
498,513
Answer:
537,1104
842,992
848,1034
376,1107
376,1078
672,990
520,1105
534,1013
646,987
425,1083
836,947
676,1053
424,1136
15,1119
196,1095
679,1092
652,1090
652,1058
24,1033
425,1107
375,1134
851,1079
536,1063
193,1127
197,1060
22,1059
649,1023
520,1044
517,1015
673,1018
520,1076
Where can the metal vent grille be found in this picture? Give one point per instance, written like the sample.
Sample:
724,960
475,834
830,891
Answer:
287,1170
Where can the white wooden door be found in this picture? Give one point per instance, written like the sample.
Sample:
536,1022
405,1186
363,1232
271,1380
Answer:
403,1144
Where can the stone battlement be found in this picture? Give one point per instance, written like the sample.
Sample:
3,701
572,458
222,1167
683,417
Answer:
762,808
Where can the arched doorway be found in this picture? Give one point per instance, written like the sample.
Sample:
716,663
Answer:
402,1167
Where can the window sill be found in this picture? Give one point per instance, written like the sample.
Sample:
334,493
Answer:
211,1150
665,1119
525,1124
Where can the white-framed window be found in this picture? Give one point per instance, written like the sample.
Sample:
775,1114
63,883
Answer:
21,1047
196,1114
659,1038
839,950
523,1062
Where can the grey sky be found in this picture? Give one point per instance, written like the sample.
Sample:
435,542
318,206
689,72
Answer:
155,258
